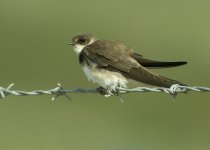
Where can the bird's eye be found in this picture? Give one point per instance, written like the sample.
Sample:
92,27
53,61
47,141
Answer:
82,41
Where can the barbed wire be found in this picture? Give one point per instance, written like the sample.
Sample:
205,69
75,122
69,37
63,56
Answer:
60,91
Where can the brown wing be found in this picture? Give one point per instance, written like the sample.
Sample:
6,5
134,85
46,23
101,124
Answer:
116,57
148,63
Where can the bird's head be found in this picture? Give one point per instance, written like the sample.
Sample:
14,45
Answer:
82,40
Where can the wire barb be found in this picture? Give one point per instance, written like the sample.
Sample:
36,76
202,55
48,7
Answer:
60,91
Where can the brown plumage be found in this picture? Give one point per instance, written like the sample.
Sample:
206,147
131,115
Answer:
111,64
115,56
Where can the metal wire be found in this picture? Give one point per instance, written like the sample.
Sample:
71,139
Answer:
59,90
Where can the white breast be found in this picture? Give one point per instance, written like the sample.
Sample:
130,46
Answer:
105,78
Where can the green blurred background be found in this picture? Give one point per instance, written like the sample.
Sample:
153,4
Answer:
34,55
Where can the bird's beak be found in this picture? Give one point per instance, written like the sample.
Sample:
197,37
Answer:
71,44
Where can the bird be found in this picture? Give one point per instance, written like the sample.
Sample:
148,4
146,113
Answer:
112,64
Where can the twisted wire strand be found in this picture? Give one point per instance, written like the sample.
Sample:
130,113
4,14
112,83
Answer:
59,90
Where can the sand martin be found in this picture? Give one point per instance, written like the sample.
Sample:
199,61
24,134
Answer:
112,64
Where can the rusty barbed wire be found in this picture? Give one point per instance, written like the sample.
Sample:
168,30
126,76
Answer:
60,91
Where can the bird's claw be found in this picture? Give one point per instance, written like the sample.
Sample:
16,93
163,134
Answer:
109,92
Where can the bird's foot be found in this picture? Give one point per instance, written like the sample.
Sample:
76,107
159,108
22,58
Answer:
101,90
106,92
109,92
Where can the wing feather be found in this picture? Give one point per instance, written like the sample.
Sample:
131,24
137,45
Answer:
155,63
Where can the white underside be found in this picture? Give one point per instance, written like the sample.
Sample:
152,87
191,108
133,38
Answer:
106,79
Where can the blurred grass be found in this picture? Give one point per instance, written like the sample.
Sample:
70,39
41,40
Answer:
35,55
